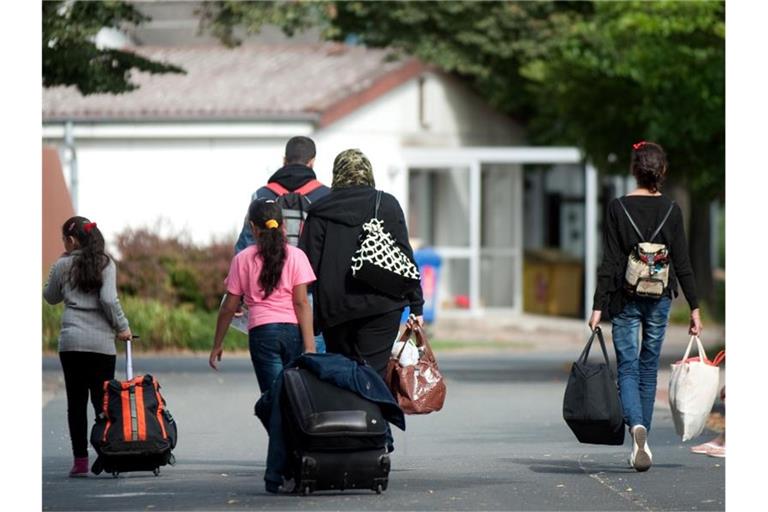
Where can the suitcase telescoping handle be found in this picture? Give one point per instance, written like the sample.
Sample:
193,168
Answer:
128,358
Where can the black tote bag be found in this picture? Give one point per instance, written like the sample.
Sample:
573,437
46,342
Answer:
591,405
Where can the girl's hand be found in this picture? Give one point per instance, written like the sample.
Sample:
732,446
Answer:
215,357
695,327
594,320
125,335
414,321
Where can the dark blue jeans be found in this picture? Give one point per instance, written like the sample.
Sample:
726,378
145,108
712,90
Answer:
272,347
638,365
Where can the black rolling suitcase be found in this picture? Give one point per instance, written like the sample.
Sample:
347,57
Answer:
336,439
134,431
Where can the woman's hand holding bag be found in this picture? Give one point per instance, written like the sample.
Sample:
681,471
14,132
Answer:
419,388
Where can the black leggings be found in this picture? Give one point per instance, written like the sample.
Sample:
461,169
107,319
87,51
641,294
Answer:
84,372
371,338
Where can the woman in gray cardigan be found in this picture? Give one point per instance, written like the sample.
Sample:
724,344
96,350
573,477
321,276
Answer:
84,278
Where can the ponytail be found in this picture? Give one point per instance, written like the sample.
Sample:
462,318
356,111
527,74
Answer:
267,216
85,273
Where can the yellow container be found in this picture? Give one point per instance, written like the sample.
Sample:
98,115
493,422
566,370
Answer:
552,283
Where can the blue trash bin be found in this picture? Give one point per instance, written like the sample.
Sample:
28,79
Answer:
429,263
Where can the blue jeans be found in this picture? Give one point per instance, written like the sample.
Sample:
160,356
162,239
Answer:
273,346
637,371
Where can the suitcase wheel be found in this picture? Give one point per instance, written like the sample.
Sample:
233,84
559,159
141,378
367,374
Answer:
378,489
156,471
306,490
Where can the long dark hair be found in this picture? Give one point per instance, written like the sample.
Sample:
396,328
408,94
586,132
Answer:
267,216
87,266
648,165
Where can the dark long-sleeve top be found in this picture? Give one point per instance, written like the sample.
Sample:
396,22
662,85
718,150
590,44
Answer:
330,238
619,239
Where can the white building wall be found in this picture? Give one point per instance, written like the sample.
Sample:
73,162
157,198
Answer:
201,185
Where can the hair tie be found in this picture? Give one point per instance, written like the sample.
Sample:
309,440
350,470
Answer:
638,145
271,224
88,226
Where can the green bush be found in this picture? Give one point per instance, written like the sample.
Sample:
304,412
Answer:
710,313
172,270
51,325
159,326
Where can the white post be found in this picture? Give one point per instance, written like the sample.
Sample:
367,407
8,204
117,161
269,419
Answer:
519,212
475,208
71,153
590,235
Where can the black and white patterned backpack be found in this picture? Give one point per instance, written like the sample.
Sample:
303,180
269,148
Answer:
380,263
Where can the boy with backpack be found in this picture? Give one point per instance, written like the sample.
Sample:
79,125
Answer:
294,187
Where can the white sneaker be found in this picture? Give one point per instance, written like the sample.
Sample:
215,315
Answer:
641,458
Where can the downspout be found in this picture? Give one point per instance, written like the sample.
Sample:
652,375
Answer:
590,238
71,162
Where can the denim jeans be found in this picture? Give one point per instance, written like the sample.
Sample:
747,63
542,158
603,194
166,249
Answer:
273,346
637,369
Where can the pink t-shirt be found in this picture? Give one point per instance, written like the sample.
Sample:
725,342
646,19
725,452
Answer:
243,279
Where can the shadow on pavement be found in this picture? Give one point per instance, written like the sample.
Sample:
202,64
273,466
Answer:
575,467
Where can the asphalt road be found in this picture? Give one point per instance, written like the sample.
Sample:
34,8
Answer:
499,444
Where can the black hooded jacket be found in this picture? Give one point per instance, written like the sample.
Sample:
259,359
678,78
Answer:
293,176
330,239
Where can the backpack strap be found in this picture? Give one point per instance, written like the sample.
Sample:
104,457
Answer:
658,229
308,187
631,221
277,188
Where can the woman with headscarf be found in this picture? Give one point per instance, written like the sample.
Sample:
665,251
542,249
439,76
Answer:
356,319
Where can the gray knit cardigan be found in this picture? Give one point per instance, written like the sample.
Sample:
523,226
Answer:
90,320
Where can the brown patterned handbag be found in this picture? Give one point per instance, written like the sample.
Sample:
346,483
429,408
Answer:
419,388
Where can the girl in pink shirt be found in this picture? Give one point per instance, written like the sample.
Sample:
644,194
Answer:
271,277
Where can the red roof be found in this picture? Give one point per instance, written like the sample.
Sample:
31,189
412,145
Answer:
318,82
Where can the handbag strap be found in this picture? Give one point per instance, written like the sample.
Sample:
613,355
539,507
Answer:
421,341
702,353
585,353
719,358
378,202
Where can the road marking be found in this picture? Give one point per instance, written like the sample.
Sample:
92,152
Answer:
131,494
628,496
